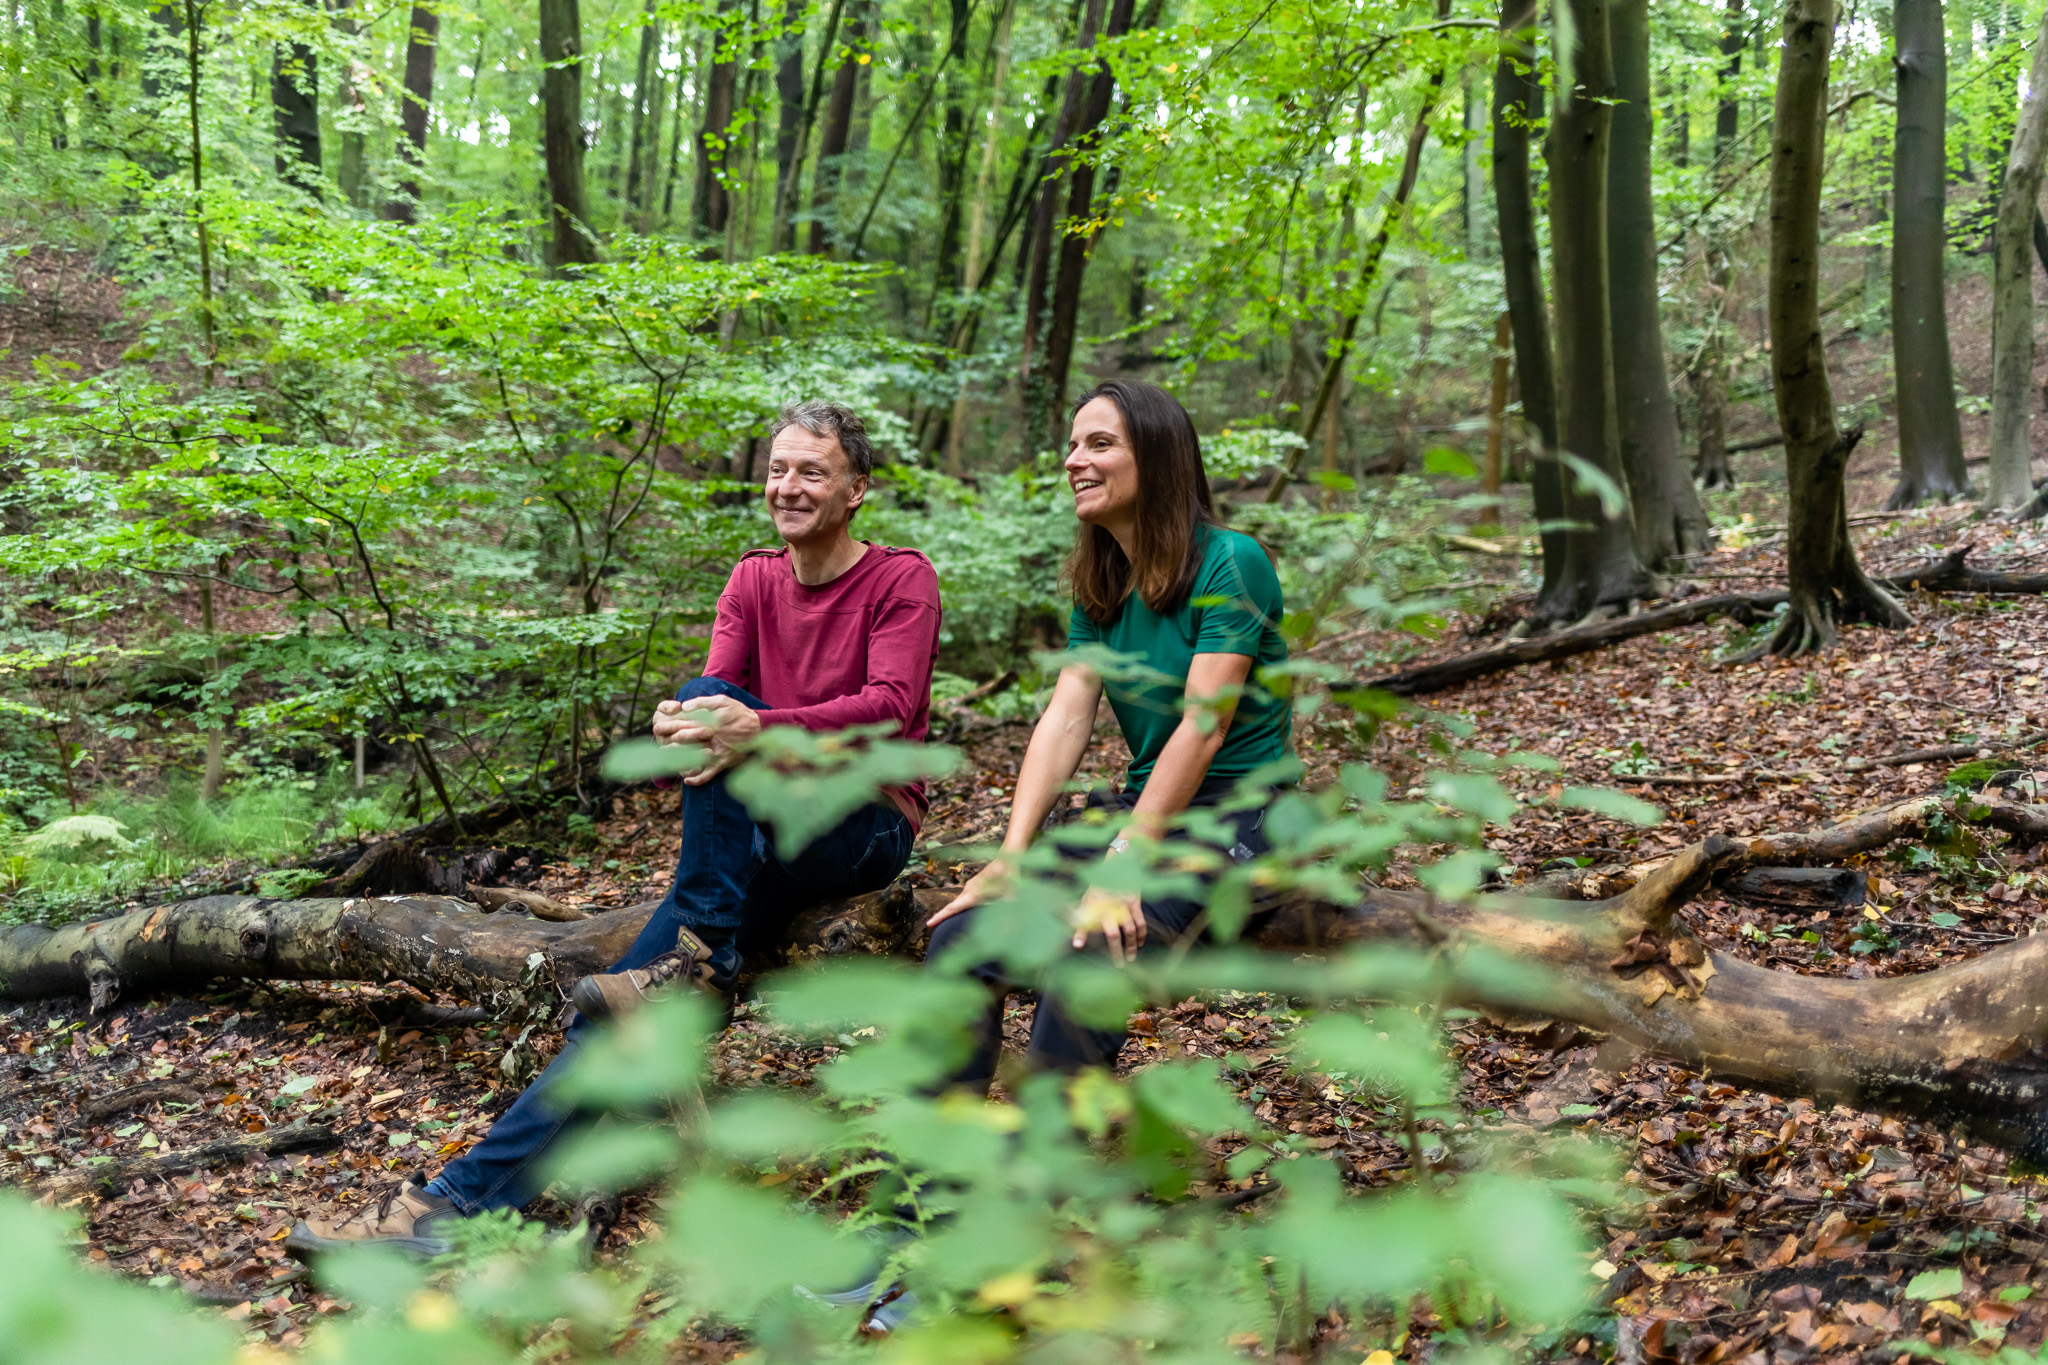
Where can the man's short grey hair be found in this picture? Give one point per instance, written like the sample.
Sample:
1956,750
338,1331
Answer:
830,419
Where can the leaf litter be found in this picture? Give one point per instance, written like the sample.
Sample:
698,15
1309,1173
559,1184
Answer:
1749,1228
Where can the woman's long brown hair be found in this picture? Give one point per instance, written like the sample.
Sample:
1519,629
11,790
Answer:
1173,506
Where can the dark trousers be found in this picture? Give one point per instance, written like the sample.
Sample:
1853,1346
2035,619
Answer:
1058,1043
731,890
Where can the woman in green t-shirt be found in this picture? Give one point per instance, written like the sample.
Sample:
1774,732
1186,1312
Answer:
1157,577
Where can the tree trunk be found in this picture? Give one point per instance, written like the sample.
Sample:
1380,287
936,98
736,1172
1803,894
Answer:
1075,246
1496,423
1669,522
1710,381
947,277
637,187
1517,93
1727,108
2012,295
561,44
1964,1043
349,116
1827,584
838,127
295,114
1601,571
711,202
789,117
1930,430
1044,218
423,41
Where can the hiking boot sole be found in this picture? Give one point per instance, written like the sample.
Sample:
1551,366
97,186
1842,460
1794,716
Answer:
302,1242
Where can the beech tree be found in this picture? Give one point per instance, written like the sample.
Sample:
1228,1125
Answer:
1601,571
2011,483
1668,519
1827,584
1930,428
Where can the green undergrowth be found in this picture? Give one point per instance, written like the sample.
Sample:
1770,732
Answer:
125,842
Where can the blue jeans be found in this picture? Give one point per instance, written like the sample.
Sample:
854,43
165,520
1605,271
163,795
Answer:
732,891
1058,1042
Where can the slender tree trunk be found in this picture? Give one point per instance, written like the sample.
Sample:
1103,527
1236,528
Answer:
977,226
295,114
1339,346
1496,419
1601,570
1075,246
422,44
1826,583
1669,522
349,114
947,276
789,115
561,45
837,129
1516,95
1045,216
1930,430
2012,294
637,189
1710,378
711,202
675,148
1478,232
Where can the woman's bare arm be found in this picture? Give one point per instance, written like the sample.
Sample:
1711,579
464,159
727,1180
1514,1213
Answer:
1050,761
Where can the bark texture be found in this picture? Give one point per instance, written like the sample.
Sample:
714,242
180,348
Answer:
1601,571
837,128
1827,584
1930,429
1669,521
1078,241
423,38
1966,1044
295,114
561,97
711,202
2011,481
1517,104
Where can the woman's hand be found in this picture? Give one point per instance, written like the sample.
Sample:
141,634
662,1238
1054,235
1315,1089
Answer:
984,886
1119,916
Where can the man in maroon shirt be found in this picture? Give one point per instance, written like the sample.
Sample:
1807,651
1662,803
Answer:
825,633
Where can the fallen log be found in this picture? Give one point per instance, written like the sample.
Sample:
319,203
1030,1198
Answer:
1411,682
1966,1043
430,942
300,1135
1947,574
136,1097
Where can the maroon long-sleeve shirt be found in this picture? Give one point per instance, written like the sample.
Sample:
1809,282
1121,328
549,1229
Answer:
856,651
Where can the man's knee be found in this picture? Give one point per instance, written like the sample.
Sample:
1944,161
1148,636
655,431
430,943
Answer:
710,687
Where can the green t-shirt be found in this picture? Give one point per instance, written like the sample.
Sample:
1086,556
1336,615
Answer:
1234,608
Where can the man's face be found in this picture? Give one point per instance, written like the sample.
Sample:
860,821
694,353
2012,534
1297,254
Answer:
812,490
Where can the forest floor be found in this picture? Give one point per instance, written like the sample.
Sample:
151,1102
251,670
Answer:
1746,1228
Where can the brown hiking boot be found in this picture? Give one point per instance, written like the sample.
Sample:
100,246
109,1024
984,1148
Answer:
614,995
406,1219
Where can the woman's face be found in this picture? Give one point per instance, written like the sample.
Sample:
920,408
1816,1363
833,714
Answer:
1102,469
